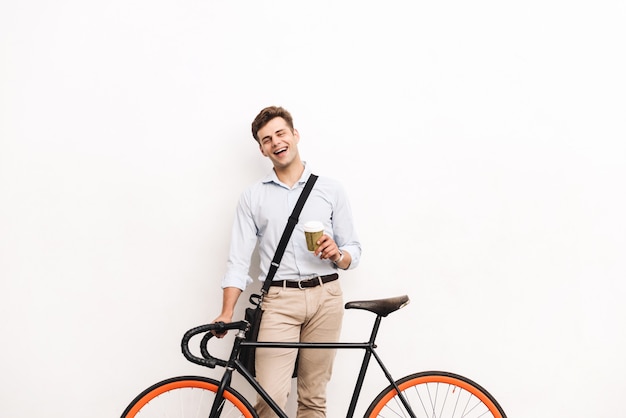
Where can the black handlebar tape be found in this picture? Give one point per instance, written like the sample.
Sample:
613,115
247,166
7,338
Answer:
205,351
208,360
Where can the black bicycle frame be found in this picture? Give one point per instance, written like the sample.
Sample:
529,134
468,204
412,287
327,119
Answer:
235,364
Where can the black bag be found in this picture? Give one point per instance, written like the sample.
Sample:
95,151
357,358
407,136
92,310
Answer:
254,314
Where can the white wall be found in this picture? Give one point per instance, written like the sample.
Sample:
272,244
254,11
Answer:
482,144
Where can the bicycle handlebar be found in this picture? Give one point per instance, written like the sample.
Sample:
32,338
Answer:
208,360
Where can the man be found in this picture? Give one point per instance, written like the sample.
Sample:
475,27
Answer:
291,313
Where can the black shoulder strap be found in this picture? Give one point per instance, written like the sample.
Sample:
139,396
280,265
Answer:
284,239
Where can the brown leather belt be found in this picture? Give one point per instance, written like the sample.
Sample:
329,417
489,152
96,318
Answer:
304,284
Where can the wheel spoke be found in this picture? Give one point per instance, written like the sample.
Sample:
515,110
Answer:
186,397
436,395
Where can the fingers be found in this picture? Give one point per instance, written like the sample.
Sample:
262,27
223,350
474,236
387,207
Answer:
327,248
223,320
219,334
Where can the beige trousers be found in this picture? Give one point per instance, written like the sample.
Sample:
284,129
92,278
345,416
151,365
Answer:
309,315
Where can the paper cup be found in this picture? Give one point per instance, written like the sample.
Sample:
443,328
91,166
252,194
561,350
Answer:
313,231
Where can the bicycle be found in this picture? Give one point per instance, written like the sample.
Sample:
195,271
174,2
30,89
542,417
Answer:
431,394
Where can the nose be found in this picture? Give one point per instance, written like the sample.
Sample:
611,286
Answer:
275,141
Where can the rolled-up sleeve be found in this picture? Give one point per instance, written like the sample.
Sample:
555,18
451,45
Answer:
343,228
243,242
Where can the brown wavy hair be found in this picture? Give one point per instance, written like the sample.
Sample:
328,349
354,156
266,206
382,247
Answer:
267,115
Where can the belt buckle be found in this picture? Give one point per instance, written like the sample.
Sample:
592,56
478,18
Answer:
306,281
310,280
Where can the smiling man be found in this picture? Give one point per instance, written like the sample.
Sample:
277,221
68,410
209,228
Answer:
305,300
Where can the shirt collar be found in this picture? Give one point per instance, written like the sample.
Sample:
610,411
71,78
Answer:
273,178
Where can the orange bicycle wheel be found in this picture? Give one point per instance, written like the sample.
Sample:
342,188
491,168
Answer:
436,394
185,397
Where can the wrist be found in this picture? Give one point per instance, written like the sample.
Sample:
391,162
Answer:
340,259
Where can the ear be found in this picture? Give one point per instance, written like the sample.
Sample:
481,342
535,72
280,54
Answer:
296,135
262,151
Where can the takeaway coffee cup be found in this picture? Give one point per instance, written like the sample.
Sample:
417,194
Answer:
313,231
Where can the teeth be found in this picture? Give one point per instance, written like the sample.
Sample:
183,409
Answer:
280,150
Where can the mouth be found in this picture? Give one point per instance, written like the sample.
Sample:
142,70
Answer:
280,151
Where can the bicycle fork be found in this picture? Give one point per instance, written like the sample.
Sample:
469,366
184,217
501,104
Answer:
218,403
231,366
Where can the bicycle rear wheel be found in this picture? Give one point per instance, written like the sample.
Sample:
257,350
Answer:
436,395
186,397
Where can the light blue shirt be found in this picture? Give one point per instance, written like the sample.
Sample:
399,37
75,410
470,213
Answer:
262,215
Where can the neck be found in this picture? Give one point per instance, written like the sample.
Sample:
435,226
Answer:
291,173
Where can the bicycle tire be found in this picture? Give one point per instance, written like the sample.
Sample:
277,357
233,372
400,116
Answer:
185,397
436,394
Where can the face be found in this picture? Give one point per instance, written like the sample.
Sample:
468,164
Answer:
279,143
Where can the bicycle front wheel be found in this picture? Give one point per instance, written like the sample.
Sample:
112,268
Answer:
186,397
436,395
